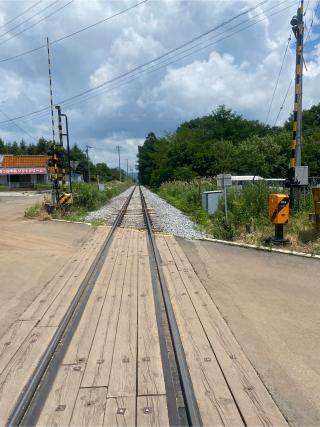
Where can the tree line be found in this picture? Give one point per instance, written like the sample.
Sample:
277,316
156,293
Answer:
225,142
100,170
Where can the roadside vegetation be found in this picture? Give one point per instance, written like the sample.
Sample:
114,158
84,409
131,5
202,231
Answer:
247,214
225,142
86,198
178,165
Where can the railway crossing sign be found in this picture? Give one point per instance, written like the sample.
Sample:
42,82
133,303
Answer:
223,180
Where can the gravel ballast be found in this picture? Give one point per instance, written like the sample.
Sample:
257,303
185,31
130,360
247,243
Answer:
170,219
109,211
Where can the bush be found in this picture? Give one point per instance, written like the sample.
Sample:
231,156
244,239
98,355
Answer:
86,196
89,197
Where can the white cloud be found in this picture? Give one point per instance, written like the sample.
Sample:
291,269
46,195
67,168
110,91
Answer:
239,71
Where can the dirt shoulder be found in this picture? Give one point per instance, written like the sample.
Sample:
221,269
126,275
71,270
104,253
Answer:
31,253
271,303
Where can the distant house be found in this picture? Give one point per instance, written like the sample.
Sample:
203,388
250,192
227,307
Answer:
240,180
23,171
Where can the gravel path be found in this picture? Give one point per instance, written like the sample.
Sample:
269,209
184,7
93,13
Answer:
169,219
109,211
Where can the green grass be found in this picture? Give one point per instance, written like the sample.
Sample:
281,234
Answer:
37,211
247,214
86,198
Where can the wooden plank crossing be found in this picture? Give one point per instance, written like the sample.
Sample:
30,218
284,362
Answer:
112,371
22,346
193,305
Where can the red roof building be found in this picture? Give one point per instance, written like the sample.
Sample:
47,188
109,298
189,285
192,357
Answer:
23,170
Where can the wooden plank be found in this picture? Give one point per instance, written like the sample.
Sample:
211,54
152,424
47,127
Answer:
150,372
12,340
43,301
215,401
152,411
80,345
20,369
120,412
124,362
255,403
58,407
59,306
90,407
98,366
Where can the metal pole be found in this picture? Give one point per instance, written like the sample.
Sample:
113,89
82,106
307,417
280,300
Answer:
68,151
295,158
62,172
127,170
118,149
55,186
225,198
87,151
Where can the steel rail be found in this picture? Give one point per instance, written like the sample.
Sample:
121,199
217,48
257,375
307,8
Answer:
191,404
81,298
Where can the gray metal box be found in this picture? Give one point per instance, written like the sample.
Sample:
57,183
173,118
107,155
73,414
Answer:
210,200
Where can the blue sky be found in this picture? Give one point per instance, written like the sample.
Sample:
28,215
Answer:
239,69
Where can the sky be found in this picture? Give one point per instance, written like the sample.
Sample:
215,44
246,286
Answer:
237,63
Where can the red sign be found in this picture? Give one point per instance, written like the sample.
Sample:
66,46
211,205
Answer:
23,171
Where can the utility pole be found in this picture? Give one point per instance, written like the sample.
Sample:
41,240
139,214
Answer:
68,150
87,151
54,177
127,170
61,146
295,157
118,148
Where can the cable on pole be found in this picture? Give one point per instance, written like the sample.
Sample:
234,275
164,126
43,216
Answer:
278,78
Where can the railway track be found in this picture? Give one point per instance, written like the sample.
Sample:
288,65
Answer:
181,402
126,334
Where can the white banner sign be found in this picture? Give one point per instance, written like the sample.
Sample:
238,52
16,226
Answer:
23,171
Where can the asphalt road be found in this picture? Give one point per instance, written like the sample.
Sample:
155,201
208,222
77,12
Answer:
271,303
31,252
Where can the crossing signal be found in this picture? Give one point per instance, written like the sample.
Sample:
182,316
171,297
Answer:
55,154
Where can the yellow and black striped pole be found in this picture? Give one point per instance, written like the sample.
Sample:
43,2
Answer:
62,175
295,156
55,166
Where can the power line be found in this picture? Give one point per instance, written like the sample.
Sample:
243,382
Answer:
38,22
18,126
164,63
290,83
312,21
278,78
28,19
283,102
74,33
21,14
138,68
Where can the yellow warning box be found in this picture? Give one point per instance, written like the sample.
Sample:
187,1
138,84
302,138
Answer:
278,208
65,199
